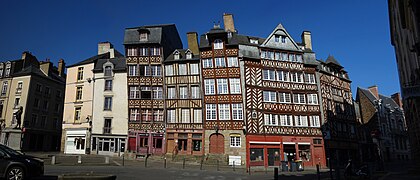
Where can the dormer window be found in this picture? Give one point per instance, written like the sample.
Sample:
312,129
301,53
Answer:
283,39
253,41
143,36
218,44
108,71
8,67
176,55
189,55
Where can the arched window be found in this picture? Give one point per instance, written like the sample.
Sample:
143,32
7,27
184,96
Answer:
218,44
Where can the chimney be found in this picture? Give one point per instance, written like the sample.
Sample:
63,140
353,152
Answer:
397,98
306,39
193,42
374,91
228,22
61,66
45,67
104,47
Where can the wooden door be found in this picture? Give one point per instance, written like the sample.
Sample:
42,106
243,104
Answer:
170,146
217,144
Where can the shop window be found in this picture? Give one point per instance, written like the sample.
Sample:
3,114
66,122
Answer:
143,141
304,152
182,144
196,142
158,143
256,154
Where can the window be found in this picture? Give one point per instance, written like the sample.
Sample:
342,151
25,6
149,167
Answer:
1,71
36,102
218,44
211,112
45,105
80,73
108,85
132,51
183,92
146,92
232,61
222,86
310,78
317,141
271,120
207,63
169,70
263,54
146,115
108,103
286,120
224,112
107,126
283,76
312,99
269,96
171,116
155,51
79,92
220,62
284,98
158,115
253,41
197,116
143,51
19,87
276,38
296,77
301,121
269,74
237,112
171,93
270,55
145,70
209,86
189,55
235,140
299,98
235,85
284,56
182,69
277,56
292,57
47,91
58,94
38,88
108,71
77,113
134,115
17,100
143,36
283,39
185,116
1,108
195,92
8,67
144,141
299,58
157,93
132,70
4,88
194,69
34,119
134,92
156,70
314,121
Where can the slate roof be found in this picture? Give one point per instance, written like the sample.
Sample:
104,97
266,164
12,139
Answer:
332,60
119,64
156,34
182,56
368,94
33,70
372,98
91,60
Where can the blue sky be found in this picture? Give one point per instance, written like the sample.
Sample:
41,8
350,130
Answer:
356,32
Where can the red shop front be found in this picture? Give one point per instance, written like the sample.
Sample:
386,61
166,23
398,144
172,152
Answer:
271,150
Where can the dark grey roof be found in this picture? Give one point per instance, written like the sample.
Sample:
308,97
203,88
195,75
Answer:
182,56
91,59
32,70
119,64
235,39
368,94
388,100
332,60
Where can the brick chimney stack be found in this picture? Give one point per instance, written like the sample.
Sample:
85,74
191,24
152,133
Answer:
374,90
193,42
397,98
228,22
61,66
307,39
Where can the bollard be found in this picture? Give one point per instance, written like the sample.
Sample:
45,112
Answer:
52,160
123,159
317,172
164,163
249,170
329,164
183,163
145,162
201,164
79,159
276,173
217,165
233,165
107,160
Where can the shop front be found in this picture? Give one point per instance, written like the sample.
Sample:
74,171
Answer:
184,143
271,151
146,143
108,145
75,141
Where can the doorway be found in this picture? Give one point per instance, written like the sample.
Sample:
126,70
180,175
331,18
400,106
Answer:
217,144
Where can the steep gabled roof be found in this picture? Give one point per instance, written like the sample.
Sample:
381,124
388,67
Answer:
332,60
119,64
91,59
367,93
280,30
182,56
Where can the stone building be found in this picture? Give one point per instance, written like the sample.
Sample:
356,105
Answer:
404,16
146,47
384,126
183,100
31,103
78,102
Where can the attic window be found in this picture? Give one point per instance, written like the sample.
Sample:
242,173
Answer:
276,38
253,41
176,55
218,44
108,71
189,55
283,39
143,36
